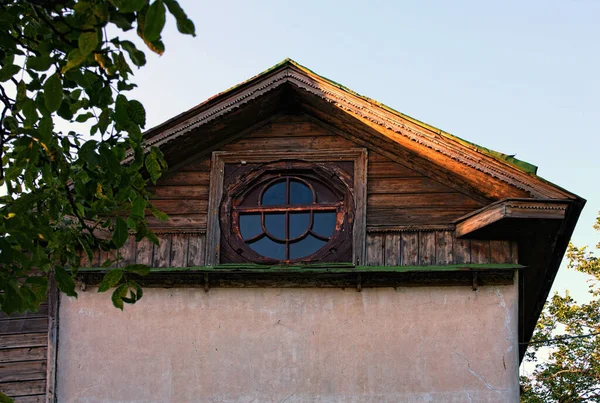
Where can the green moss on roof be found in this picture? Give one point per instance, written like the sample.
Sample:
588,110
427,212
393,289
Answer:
504,158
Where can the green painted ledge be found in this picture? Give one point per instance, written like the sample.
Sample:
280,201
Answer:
321,268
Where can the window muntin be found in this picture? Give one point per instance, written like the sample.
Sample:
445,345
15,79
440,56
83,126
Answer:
291,221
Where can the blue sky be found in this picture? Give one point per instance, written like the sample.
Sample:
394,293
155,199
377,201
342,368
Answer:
518,77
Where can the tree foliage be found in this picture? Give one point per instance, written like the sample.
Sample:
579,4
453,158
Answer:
570,333
64,65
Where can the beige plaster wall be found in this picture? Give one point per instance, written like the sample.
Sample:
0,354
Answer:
422,344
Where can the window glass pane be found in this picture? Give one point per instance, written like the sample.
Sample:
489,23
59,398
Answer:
299,223
274,195
324,223
304,247
324,194
300,193
250,225
275,225
269,248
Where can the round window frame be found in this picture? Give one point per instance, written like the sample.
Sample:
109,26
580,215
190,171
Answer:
240,184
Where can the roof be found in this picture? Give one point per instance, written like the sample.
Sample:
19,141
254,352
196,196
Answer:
501,157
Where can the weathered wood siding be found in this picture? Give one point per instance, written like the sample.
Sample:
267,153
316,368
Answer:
23,355
175,250
405,248
399,196
183,195
396,195
426,248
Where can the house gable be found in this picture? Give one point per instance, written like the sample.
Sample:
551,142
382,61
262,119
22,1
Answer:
421,182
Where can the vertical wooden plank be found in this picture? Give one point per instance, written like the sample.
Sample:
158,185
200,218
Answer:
97,261
162,252
179,250
393,250
213,231
128,252
461,251
144,252
53,305
480,251
84,260
514,252
375,249
500,252
360,216
196,250
443,247
410,248
112,256
426,248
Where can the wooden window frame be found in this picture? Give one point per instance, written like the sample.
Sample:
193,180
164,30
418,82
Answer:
358,156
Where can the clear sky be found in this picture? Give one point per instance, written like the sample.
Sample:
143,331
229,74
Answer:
520,77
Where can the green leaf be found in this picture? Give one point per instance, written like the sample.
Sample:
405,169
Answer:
65,281
109,160
137,56
138,206
153,166
5,399
88,41
162,216
118,294
39,63
140,269
121,110
11,124
84,117
8,71
121,233
186,26
137,113
111,279
74,59
53,92
155,21
130,6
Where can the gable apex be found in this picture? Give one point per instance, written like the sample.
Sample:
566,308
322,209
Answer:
443,149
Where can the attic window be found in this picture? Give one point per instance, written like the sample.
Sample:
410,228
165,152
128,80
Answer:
287,212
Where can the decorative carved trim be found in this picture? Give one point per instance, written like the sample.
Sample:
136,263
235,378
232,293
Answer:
365,110
184,231
400,228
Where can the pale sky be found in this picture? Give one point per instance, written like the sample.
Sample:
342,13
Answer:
518,77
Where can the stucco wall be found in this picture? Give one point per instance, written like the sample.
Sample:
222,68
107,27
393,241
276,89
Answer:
421,344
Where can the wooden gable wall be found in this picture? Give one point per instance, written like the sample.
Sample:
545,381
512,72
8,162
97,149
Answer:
396,195
409,215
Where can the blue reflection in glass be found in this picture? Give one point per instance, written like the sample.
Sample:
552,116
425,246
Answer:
299,223
274,195
275,225
250,225
300,193
324,223
269,248
305,247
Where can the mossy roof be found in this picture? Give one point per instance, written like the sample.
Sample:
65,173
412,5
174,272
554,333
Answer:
504,158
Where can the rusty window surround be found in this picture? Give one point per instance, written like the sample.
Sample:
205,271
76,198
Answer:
358,156
245,192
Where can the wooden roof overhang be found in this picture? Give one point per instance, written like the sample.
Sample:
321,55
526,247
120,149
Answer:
503,183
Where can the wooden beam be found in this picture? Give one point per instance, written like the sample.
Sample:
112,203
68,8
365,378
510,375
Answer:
511,208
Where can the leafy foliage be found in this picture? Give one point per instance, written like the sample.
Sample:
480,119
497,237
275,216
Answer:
572,371
64,188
